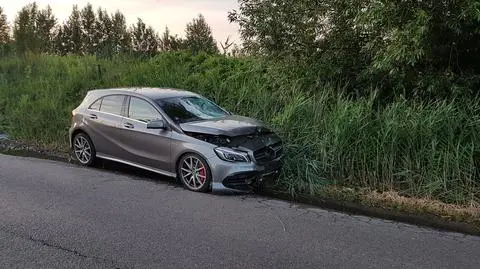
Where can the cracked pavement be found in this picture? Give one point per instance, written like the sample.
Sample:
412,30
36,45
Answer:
57,215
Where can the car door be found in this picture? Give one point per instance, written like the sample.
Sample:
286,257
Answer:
149,147
104,119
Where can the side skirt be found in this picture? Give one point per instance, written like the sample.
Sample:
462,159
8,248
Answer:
158,171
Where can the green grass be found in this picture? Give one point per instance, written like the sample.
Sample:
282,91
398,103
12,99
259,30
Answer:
428,150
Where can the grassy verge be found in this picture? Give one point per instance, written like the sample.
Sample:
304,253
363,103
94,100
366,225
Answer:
393,206
418,150
435,210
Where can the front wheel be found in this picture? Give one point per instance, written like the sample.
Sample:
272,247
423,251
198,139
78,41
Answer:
84,149
194,173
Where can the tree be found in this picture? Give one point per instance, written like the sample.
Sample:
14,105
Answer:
103,28
60,41
89,37
4,28
144,39
425,45
24,31
121,41
169,42
72,32
275,27
34,29
410,48
45,25
88,33
199,36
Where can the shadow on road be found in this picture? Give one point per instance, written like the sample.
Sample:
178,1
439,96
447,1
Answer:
140,174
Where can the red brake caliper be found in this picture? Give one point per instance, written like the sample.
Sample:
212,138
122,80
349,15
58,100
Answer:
202,174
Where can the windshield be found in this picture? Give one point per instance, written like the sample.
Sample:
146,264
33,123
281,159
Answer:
191,108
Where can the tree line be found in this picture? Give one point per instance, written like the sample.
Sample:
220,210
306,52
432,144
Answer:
428,49
96,32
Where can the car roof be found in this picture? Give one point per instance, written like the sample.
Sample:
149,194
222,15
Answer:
152,93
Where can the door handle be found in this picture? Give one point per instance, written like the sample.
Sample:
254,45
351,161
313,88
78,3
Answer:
93,116
128,125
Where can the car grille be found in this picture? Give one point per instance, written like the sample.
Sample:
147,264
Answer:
240,181
269,153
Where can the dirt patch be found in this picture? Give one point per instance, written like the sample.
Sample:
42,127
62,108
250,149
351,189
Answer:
26,149
392,206
468,213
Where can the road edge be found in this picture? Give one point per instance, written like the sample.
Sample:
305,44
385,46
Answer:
425,220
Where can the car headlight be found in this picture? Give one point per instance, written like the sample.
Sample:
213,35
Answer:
231,155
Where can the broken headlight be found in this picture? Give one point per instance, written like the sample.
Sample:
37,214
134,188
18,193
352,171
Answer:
231,155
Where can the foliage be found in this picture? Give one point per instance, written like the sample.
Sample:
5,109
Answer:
144,38
199,36
72,33
169,42
46,22
414,43
112,35
4,28
33,29
120,37
422,149
415,49
275,27
87,32
24,29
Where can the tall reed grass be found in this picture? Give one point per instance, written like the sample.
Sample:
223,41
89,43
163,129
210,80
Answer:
419,149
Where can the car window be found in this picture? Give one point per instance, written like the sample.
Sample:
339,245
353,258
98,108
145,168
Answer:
96,105
141,110
192,108
112,104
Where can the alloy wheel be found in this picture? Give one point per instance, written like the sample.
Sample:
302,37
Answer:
193,173
83,149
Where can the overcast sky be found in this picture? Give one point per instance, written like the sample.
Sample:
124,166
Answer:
159,13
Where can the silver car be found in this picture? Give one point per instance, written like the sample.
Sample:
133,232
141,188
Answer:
175,133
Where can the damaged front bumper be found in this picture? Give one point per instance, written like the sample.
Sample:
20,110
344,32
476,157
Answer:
236,177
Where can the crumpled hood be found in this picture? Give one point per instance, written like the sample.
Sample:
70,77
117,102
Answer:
231,126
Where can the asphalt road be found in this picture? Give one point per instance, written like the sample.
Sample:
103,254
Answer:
56,215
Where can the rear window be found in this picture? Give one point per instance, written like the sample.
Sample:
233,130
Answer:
112,104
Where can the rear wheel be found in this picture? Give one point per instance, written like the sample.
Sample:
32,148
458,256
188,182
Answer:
83,149
194,173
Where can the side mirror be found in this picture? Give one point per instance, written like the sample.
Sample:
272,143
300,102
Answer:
156,124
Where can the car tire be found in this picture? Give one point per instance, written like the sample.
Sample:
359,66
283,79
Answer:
194,173
83,149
